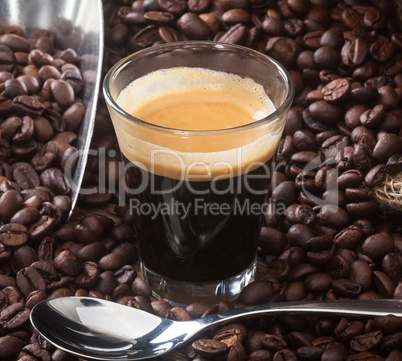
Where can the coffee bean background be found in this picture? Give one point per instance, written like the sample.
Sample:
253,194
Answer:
343,134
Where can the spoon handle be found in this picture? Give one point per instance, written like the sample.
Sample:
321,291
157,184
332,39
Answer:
362,308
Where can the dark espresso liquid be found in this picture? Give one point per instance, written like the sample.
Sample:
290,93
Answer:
197,231
198,193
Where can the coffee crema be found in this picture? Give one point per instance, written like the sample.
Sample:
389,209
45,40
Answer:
191,102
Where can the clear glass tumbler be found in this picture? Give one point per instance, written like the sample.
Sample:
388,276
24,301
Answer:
197,196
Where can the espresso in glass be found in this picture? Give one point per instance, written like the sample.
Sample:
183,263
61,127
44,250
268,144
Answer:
197,171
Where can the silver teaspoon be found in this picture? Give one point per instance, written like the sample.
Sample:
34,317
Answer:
104,330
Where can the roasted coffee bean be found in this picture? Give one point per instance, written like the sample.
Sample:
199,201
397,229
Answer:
299,234
7,185
13,234
14,317
338,267
25,150
284,355
139,287
354,52
159,17
366,341
55,180
294,27
295,291
309,352
383,284
169,34
273,26
35,351
28,280
7,59
41,228
237,352
10,203
27,105
362,209
212,21
286,147
390,122
326,58
16,42
349,237
96,198
358,194
285,50
179,314
279,269
375,176
364,95
237,34
378,245
361,273
209,347
7,281
297,213
346,288
13,88
23,257
285,193
319,243
304,140
45,157
92,252
273,343
229,337
25,175
382,50
234,4
68,263
318,282
10,347
176,7
235,16
313,39
325,112
333,38
112,261
198,6
326,178
193,26
256,292
392,266
89,277
334,216
336,90
388,97
386,146
253,341
272,241
363,134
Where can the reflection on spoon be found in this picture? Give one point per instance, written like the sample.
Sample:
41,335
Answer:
104,330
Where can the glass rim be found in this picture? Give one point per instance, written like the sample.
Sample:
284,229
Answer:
114,70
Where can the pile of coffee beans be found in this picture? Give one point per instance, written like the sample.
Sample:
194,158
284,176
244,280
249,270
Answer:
324,236
40,109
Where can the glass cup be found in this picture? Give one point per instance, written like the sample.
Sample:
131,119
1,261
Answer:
197,197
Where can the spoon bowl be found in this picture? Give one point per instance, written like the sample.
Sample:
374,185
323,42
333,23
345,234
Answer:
104,330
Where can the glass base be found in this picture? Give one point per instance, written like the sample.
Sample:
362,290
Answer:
183,293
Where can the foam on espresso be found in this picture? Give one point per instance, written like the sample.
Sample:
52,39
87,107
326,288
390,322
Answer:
195,99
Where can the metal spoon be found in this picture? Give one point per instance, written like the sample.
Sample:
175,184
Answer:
103,330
